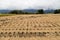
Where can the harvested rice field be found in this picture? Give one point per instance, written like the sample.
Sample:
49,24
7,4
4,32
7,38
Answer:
30,27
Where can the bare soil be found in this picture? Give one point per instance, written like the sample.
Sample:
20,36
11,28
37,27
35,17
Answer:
31,27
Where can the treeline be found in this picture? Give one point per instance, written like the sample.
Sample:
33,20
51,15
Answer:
40,11
57,11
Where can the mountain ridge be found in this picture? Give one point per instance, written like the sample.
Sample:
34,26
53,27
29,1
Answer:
29,10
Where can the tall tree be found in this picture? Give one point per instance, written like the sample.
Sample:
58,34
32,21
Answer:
16,12
40,11
57,11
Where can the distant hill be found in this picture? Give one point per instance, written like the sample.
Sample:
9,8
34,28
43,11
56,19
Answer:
25,10
28,10
4,11
33,10
49,11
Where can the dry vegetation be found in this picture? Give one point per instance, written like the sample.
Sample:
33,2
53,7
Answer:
33,27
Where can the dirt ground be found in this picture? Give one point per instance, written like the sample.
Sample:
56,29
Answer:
30,27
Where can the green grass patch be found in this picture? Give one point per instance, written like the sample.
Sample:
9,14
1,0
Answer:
1,15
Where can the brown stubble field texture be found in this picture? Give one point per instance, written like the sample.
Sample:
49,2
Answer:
30,27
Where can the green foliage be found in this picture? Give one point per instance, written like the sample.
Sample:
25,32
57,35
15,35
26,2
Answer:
16,12
1,15
57,11
26,13
40,11
19,12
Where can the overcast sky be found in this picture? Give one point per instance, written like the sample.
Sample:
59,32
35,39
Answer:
29,4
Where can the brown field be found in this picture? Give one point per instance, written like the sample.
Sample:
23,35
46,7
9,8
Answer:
30,27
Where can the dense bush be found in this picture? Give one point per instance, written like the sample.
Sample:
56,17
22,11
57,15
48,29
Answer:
57,11
16,12
40,11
